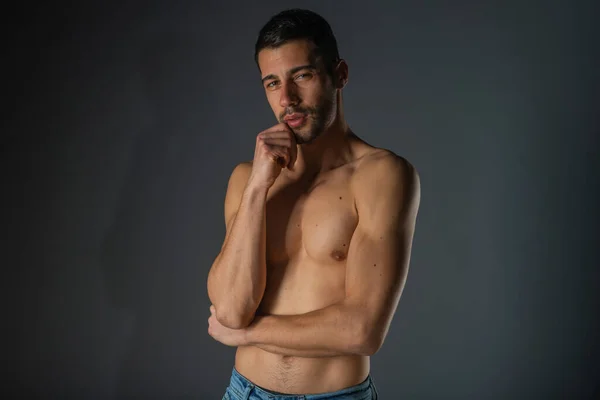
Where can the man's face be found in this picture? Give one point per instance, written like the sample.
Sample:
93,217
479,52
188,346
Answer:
298,88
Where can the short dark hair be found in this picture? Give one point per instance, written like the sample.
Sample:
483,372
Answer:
296,24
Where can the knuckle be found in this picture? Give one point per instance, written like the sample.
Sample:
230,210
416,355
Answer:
261,136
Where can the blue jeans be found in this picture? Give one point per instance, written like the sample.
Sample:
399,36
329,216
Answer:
240,388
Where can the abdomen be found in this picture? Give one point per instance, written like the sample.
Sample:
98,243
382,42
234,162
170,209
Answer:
300,375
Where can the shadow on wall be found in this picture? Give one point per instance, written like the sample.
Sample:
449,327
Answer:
150,253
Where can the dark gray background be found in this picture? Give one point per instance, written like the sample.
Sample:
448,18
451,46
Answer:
122,123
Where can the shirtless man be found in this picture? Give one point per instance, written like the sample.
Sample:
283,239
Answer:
319,229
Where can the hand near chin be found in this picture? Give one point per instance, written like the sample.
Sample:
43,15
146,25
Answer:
223,334
275,149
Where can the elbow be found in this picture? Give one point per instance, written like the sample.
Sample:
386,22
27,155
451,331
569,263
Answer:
229,314
369,340
370,347
234,320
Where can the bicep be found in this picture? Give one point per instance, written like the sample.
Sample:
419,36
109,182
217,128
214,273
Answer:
377,267
380,249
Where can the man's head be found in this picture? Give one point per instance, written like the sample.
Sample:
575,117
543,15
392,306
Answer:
297,55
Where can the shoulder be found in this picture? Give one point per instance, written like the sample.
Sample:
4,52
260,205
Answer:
243,167
235,188
240,173
384,178
384,167
237,182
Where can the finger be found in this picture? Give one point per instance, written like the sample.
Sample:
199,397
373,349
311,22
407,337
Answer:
293,151
282,136
280,152
281,141
289,133
281,129
282,126
286,146
281,162
274,131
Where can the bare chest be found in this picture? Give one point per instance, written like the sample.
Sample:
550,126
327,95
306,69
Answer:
316,223
308,236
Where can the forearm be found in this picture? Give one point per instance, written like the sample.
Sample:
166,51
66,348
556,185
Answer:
271,348
237,279
331,331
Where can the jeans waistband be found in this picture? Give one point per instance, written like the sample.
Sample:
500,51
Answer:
240,385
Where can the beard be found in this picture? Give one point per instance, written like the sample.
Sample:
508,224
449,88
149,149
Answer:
318,118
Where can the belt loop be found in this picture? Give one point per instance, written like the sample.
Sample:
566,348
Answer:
373,389
247,392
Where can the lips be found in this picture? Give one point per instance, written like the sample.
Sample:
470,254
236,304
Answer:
294,121
293,117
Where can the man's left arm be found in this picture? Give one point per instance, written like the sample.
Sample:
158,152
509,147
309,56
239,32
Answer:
387,197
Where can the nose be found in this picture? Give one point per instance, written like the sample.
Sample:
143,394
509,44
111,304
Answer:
288,95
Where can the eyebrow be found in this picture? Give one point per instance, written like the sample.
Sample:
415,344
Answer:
291,71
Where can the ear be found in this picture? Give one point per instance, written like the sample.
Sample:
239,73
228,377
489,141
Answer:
341,74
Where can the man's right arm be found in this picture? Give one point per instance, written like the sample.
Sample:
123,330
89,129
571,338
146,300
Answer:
237,278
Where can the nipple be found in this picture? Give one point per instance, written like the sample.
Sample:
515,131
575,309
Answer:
338,255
